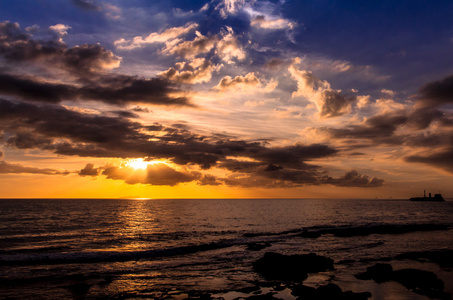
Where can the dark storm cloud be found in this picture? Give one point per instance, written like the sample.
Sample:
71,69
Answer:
334,104
354,179
28,141
7,168
209,180
155,174
283,178
86,63
89,170
422,118
29,89
17,46
293,155
2,155
86,4
124,114
115,89
382,128
437,92
54,122
141,109
46,127
122,89
440,159
378,126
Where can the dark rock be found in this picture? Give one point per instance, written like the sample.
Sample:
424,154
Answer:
379,273
263,297
420,281
444,258
327,292
248,290
79,290
279,288
348,295
303,291
310,234
199,296
257,246
275,266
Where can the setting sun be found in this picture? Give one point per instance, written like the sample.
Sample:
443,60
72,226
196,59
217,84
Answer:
139,163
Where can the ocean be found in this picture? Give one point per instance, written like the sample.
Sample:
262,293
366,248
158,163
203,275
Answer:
206,248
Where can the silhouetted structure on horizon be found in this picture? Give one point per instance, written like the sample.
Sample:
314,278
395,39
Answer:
437,197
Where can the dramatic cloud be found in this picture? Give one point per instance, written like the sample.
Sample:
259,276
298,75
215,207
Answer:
248,83
229,7
114,89
330,103
278,23
89,170
46,128
238,82
167,36
16,46
291,178
384,129
155,174
86,4
442,159
197,71
229,47
380,126
189,49
437,93
7,168
354,179
87,63
60,30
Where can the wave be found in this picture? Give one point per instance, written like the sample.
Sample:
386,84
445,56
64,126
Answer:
247,239
349,231
108,256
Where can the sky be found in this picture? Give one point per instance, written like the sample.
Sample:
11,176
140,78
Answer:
226,98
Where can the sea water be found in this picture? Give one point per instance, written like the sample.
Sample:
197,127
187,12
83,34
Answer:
151,248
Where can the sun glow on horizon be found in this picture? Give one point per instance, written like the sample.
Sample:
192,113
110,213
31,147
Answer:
141,164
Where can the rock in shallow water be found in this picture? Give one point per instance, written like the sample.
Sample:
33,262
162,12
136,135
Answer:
275,266
420,281
329,291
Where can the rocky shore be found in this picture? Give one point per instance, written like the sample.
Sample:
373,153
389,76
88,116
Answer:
283,278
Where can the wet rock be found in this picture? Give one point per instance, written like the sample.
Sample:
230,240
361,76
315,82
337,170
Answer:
420,281
417,279
275,266
379,273
348,295
329,291
199,296
444,258
79,290
310,234
248,290
303,291
269,296
257,246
